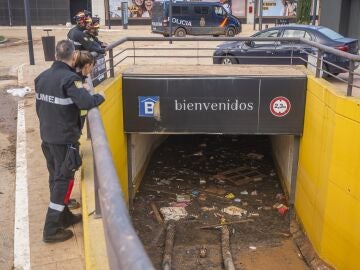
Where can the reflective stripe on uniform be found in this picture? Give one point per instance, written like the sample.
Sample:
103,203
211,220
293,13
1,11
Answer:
57,207
75,42
54,100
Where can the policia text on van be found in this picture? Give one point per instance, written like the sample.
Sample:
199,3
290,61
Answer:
194,18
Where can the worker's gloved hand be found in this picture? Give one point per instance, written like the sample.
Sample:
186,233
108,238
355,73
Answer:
95,54
87,86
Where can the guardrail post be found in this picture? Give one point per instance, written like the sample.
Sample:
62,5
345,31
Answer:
111,61
350,78
134,51
318,63
197,53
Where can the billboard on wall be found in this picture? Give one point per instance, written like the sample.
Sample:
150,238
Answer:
279,8
136,8
237,7
143,8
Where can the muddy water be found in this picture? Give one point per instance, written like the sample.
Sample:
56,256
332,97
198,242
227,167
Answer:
190,165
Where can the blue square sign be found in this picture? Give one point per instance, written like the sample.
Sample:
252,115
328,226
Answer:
146,105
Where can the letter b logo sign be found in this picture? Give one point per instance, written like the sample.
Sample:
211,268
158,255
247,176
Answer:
146,105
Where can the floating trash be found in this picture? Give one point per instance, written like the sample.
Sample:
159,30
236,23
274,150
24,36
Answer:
173,213
234,211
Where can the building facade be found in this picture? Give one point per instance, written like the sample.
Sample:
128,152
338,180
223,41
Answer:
42,12
341,16
52,12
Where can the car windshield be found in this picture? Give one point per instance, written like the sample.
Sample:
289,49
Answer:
330,33
267,34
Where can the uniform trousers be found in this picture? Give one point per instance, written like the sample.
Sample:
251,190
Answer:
61,181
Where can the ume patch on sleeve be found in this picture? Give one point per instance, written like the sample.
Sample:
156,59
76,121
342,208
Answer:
78,84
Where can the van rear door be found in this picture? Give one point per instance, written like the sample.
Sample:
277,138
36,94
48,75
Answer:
202,22
209,20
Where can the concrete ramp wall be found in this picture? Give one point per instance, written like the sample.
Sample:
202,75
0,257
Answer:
285,153
140,151
327,199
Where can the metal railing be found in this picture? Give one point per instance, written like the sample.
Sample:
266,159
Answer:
118,54
124,248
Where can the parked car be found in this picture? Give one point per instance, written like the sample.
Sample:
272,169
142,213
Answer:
193,18
285,53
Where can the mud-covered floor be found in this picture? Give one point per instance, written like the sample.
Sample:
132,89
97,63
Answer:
191,165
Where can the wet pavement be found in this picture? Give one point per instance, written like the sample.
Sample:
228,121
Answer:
203,180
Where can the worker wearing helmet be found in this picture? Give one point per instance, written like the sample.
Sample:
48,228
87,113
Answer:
79,38
92,32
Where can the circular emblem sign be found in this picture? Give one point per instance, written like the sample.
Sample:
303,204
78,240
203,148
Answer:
280,106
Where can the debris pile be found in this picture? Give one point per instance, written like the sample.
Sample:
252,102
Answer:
203,183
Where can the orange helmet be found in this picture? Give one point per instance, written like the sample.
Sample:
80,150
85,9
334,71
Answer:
88,21
95,24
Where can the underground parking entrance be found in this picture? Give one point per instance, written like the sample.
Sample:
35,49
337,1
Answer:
209,147
198,182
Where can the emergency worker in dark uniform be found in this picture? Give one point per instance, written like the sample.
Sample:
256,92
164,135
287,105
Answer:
78,36
60,96
92,32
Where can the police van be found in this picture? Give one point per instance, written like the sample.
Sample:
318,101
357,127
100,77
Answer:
193,18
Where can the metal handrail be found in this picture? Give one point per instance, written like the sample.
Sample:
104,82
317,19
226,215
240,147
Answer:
295,40
125,250
321,50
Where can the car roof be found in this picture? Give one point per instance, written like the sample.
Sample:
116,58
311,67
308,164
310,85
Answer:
298,26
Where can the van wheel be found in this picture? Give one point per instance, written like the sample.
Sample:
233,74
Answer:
228,60
180,32
230,32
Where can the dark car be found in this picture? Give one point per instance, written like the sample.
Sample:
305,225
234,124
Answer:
285,53
193,18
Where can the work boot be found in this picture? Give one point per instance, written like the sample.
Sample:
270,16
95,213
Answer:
68,218
72,220
61,235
